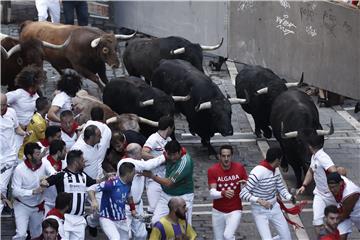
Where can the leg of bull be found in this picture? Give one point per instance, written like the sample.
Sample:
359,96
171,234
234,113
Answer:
267,132
90,75
206,143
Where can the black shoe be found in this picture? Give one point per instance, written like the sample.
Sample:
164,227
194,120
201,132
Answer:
93,231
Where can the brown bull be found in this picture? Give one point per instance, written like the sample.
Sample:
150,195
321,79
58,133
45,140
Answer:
88,51
83,103
16,55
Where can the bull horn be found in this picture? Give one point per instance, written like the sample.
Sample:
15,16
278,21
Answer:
262,91
203,106
147,103
125,37
240,100
95,42
13,50
177,51
55,46
148,122
326,132
181,98
296,84
210,48
288,134
111,120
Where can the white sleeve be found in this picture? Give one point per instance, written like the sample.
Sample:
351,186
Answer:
150,143
16,121
16,185
151,163
50,170
105,137
214,194
58,101
93,187
11,96
326,162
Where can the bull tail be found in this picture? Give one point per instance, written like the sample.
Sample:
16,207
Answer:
23,24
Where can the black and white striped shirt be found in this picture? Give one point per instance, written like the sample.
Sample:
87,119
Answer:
75,183
263,183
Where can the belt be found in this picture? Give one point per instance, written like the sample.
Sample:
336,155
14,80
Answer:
40,206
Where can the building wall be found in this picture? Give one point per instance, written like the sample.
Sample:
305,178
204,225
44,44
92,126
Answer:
318,38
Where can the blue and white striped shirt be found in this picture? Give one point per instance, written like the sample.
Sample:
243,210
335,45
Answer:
114,197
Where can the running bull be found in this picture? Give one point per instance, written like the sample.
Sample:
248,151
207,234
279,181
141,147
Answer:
263,86
88,51
208,111
293,117
133,95
15,55
142,56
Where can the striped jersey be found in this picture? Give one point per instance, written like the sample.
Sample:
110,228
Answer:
74,183
265,184
164,229
114,196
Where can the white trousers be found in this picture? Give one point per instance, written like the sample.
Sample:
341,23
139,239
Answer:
153,192
263,216
74,227
319,205
27,217
115,230
346,226
162,208
5,177
137,227
42,6
225,224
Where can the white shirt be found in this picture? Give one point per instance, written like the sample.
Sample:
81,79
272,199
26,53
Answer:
25,180
8,124
50,193
64,102
320,163
69,141
23,104
350,189
137,186
156,144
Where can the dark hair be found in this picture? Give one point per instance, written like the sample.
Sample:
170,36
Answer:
70,82
50,222
314,140
30,148
97,114
165,122
66,113
125,168
227,146
51,131
117,136
330,209
273,153
63,200
334,178
173,147
55,146
73,156
30,76
41,103
90,131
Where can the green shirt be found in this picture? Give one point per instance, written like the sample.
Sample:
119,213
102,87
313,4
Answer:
181,174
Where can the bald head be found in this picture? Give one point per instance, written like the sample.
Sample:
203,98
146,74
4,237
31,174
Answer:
133,150
175,203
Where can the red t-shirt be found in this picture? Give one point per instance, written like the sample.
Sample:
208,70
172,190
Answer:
227,179
331,236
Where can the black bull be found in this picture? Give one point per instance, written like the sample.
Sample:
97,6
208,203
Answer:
208,111
294,116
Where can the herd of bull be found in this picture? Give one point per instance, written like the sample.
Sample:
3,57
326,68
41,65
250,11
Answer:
174,82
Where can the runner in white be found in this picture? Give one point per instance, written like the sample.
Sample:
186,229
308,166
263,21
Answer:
153,147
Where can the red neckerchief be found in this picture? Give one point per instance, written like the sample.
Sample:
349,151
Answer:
55,212
72,130
293,211
267,165
339,196
45,142
56,164
28,164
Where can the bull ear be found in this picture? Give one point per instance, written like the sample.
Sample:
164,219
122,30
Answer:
95,42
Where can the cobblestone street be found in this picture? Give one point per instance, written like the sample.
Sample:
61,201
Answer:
343,147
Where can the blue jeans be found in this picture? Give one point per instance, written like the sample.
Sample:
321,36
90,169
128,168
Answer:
81,9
